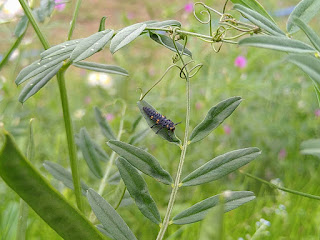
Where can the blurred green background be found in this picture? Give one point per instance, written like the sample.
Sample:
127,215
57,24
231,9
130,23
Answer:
279,111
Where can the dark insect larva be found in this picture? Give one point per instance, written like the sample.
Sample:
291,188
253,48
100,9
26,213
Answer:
160,120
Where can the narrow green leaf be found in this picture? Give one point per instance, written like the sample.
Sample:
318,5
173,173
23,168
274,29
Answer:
103,156
221,166
62,47
276,43
39,67
90,45
168,43
51,206
21,26
164,24
260,20
135,123
214,118
104,125
312,35
255,6
99,67
164,133
102,25
110,219
139,136
89,153
63,175
38,82
311,147
114,179
305,11
104,231
125,36
309,64
198,211
138,190
141,160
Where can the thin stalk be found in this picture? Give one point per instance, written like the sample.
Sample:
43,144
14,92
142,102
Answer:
22,220
70,139
34,24
74,18
13,47
281,188
65,107
166,220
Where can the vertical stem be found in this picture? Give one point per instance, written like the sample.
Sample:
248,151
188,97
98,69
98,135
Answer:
64,101
22,220
70,139
174,191
34,24
74,18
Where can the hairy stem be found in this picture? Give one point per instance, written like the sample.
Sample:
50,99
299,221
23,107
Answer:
166,220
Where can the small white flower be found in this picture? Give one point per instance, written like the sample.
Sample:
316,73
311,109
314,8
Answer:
79,113
9,10
227,193
103,80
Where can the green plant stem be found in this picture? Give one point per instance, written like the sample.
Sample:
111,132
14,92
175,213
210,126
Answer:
13,47
166,220
74,18
34,24
281,188
70,139
65,108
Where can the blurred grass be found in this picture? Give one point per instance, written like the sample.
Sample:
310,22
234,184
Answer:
277,114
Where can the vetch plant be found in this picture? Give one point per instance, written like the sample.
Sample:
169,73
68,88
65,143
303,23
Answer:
131,161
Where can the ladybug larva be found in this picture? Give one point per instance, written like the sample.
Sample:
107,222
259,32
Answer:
160,120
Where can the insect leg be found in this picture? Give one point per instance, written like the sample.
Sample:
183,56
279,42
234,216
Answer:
154,125
159,129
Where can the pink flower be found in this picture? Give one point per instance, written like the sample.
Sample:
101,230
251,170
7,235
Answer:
188,7
317,113
130,15
109,116
60,5
198,105
240,62
282,153
227,129
87,100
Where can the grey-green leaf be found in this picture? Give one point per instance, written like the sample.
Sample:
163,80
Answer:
312,35
89,153
38,82
198,211
309,64
138,190
104,231
63,175
141,160
21,26
305,11
125,36
311,147
90,45
99,67
104,125
255,6
110,219
276,43
164,133
65,47
168,43
260,20
214,118
39,67
165,23
221,166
